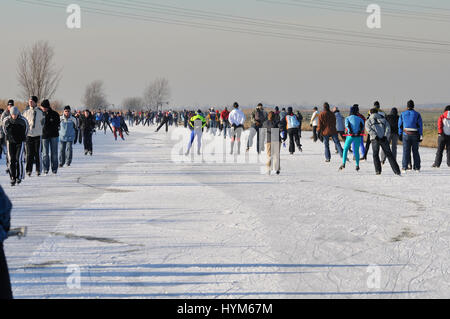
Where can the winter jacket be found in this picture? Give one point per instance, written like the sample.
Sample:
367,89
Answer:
444,123
327,124
259,116
354,125
410,121
36,121
87,124
194,122
68,129
393,122
340,122
315,119
236,117
115,122
51,126
5,215
16,131
377,127
224,115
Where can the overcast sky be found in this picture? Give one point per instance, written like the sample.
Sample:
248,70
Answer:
211,67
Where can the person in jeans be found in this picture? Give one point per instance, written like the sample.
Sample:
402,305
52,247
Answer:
392,119
50,138
327,128
36,121
379,131
444,138
410,130
67,133
5,224
314,122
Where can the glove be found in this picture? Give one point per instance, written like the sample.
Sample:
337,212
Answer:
310,125
421,139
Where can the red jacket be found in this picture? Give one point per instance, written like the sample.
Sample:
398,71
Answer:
224,115
444,123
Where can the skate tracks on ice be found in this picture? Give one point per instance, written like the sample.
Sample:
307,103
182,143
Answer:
131,223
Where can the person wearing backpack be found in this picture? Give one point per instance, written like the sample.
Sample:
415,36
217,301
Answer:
292,125
444,138
379,131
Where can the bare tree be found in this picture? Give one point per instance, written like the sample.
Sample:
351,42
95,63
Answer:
133,103
94,96
36,71
157,93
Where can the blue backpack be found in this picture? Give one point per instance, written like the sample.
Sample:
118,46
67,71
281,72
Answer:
292,121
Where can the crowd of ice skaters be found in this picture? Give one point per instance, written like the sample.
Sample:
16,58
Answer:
39,131
272,128
42,139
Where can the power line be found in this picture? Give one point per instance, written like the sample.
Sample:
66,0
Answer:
361,9
204,26
267,23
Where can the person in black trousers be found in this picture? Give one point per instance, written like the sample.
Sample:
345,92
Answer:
15,128
5,224
165,121
87,127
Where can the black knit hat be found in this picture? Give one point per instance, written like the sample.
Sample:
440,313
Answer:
34,99
11,102
45,104
67,107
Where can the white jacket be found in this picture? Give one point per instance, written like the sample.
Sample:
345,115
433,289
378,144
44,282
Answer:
315,118
236,117
36,123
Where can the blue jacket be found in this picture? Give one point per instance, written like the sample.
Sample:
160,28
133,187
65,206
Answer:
410,120
354,125
339,122
5,215
67,131
115,121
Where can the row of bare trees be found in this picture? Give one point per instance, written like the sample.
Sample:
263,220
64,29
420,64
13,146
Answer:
38,75
156,96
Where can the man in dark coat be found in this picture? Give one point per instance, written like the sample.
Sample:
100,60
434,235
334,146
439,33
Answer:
50,138
87,127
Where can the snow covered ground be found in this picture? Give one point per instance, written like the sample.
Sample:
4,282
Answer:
136,224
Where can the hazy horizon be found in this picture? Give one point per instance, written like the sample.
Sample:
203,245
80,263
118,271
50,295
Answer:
212,67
